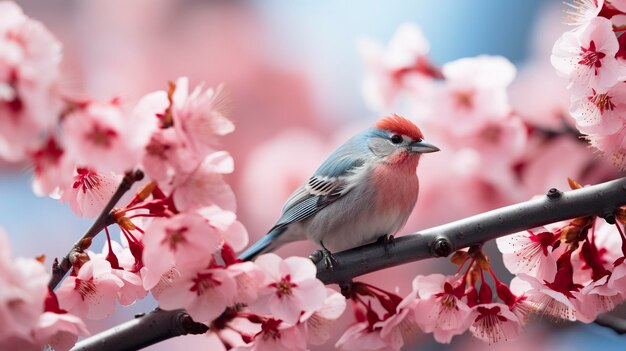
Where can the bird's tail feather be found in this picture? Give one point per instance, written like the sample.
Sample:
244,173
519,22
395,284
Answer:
266,244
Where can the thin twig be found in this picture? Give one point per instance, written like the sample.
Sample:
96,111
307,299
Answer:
602,199
104,219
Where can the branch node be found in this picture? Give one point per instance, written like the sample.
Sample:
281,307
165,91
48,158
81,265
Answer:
442,247
609,216
190,326
554,194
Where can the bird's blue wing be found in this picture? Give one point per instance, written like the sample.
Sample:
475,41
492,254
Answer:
329,183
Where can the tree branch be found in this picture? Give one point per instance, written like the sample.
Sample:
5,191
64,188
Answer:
143,331
104,219
602,200
617,324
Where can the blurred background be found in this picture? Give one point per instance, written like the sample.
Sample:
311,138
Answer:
294,77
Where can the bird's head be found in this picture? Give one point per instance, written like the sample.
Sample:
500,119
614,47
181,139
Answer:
396,139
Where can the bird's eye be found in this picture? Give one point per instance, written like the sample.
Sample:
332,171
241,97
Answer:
396,139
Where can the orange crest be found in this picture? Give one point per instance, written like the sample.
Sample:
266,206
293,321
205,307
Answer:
400,125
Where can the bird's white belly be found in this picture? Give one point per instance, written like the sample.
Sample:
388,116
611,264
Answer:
357,218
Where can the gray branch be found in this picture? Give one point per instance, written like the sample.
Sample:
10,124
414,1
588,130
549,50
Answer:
602,200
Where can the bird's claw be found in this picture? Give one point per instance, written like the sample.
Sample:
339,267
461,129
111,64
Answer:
387,240
325,255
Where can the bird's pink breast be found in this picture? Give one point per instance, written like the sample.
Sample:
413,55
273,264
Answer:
397,185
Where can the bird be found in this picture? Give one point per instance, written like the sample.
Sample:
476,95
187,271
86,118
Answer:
364,191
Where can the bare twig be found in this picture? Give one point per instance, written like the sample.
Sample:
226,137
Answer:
104,219
602,200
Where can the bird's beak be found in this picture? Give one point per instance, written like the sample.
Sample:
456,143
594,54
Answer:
423,147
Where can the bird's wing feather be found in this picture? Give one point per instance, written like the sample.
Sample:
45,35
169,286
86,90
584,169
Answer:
329,183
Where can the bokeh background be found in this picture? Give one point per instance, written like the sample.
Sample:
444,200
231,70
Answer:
293,74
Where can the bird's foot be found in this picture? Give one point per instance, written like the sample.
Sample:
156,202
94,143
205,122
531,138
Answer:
387,240
325,255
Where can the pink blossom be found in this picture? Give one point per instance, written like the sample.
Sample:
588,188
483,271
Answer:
276,335
133,289
92,292
165,155
318,323
529,252
583,11
494,322
100,136
402,64
474,93
439,309
90,191
361,337
204,293
233,231
248,278
401,326
186,240
59,330
586,56
205,186
543,298
290,288
52,169
29,60
600,114
613,146
199,117
595,298
24,287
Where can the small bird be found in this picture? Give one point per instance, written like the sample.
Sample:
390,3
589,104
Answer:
365,190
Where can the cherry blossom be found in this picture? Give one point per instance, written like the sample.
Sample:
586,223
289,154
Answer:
318,323
612,146
204,293
543,298
595,298
29,60
360,336
402,325
403,64
24,287
290,288
586,56
276,335
248,278
474,93
600,114
583,11
100,136
205,185
530,252
186,241
51,168
59,330
199,117
92,292
494,322
439,309
90,191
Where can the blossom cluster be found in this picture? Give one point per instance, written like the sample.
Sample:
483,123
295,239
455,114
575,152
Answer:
179,233
592,57
572,270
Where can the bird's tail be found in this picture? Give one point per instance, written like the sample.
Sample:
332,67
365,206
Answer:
265,244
